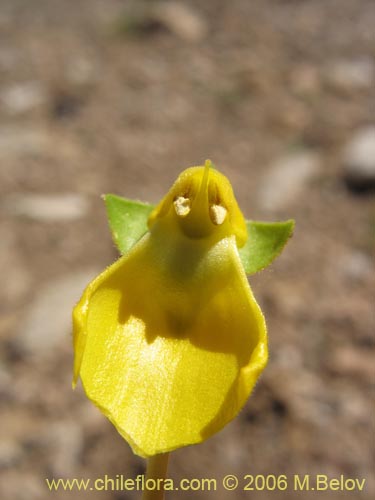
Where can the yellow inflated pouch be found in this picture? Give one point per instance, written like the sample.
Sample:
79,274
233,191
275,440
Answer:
169,340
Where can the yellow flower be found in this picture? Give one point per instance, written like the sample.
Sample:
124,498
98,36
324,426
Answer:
169,340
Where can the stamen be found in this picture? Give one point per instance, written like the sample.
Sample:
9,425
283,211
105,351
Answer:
218,214
182,206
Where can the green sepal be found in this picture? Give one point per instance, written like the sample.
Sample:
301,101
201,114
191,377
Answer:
265,242
127,220
128,223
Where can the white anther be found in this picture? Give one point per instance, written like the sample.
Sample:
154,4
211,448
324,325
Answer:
182,206
218,214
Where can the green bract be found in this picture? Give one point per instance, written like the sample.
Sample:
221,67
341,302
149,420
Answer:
128,223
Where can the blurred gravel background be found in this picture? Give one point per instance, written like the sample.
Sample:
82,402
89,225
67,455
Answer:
120,96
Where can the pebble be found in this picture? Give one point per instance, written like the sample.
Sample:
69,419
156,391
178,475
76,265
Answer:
23,97
181,20
359,160
351,75
48,322
286,179
47,207
356,266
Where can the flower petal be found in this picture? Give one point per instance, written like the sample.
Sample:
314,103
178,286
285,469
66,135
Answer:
169,340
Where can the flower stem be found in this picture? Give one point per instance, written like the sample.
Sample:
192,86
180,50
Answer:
157,467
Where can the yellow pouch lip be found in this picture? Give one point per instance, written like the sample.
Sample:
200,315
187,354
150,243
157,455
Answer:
174,311
232,401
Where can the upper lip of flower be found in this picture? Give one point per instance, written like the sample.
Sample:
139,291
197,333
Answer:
201,204
198,219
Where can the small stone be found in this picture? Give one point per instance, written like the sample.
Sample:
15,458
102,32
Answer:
359,160
48,322
23,97
350,75
182,20
286,179
48,208
356,266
